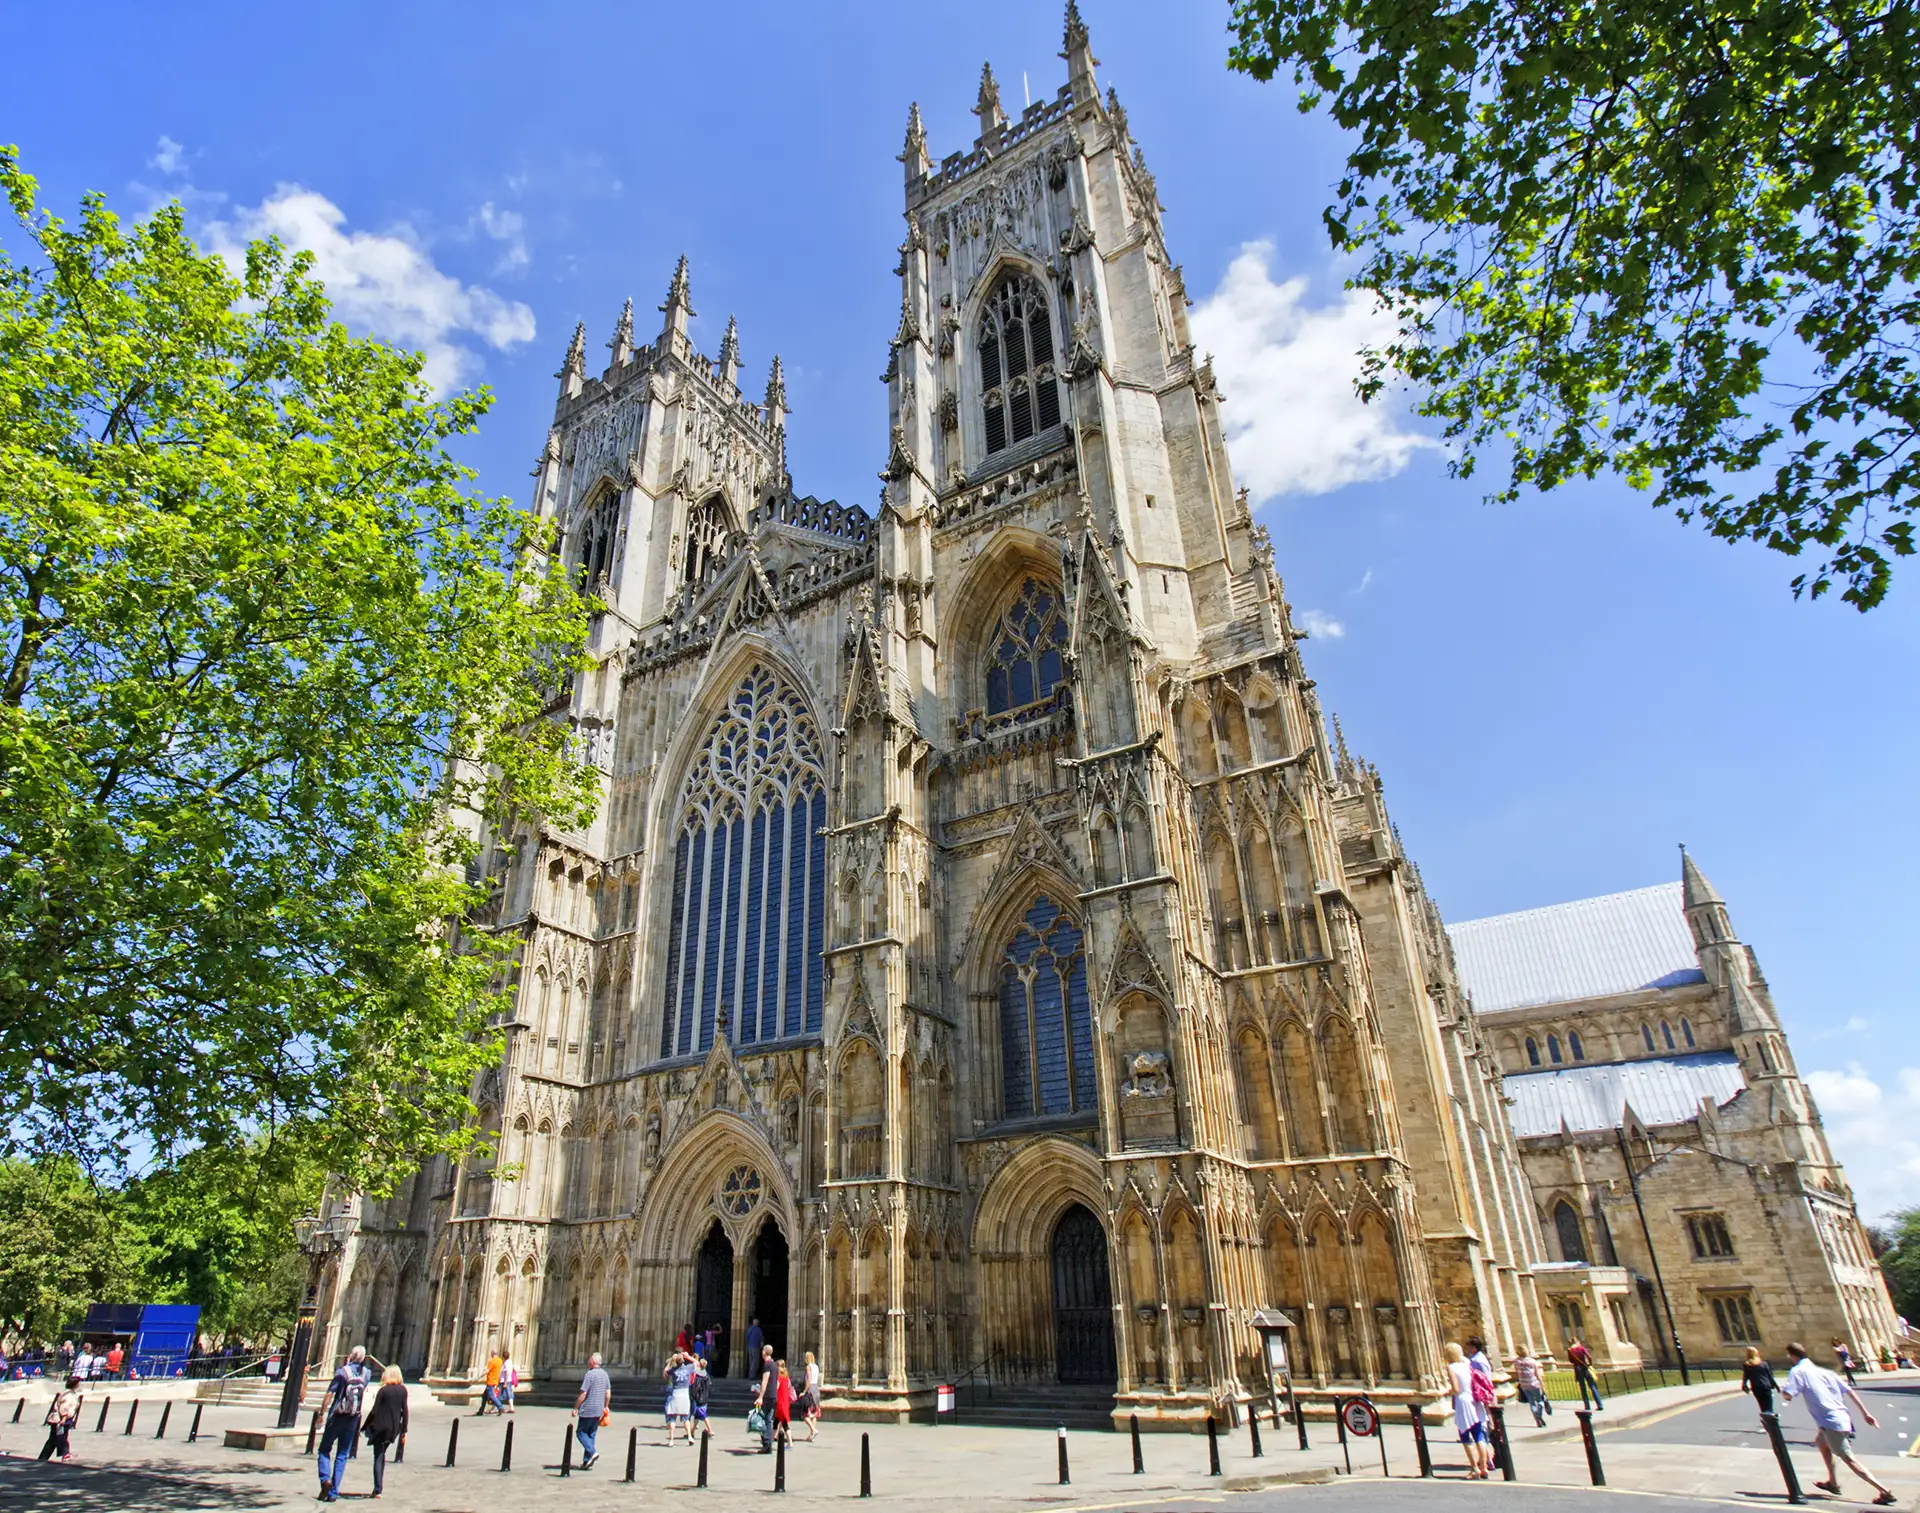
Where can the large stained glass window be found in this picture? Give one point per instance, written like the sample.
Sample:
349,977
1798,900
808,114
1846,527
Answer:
1046,1027
1020,395
1023,658
749,877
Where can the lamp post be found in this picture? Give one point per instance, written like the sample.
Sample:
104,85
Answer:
1633,1183
319,1239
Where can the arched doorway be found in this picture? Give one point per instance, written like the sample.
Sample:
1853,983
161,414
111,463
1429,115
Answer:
768,1302
713,1291
1082,1299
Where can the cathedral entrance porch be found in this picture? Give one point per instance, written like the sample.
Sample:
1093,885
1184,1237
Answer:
1082,1301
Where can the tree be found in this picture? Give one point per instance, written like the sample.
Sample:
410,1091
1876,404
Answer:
1674,240
64,1244
1900,1262
265,660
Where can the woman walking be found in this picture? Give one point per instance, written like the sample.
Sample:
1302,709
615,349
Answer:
1533,1390
680,1394
386,1425
1845,1357
810,1407
62,1413
1468,1421
783,1405
1756,1377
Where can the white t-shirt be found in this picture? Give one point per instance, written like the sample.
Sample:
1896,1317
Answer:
1466,1412
1825,1393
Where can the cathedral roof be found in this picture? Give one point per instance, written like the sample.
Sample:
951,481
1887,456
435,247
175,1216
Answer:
1661,1089
1590,948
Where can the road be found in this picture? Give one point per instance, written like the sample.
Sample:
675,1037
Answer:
1733,1422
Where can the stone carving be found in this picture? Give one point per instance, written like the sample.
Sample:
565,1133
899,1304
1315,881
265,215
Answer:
1152,1075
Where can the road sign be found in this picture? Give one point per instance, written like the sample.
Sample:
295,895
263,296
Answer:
1361,1417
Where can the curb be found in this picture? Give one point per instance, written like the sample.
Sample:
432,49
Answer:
1316,1476
1709,1392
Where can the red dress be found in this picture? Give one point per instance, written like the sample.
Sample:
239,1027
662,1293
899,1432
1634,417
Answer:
783,1401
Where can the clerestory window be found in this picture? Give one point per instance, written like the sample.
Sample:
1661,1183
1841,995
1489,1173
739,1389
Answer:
1020,394
1024,657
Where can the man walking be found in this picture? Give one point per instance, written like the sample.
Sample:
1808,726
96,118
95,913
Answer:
590,1408
766,1393
1826,1397
756,1338
340,1412
491,1397
1581,1359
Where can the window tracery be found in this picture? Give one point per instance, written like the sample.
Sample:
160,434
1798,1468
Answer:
1020,394
707,531
749,877
593,549
1046,1024
1024,663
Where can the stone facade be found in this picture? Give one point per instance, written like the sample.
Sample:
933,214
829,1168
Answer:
981,954
1667,1138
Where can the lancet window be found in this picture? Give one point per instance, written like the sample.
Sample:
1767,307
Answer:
593,549
749,877
1046,1025
1024,656
707,532
1020,393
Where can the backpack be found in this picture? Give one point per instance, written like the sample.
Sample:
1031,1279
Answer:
352,1383
1482,1386
698,1389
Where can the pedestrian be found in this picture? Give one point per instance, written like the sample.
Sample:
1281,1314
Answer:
783,1404
1826,1397
509,1382
683,1342
491,1397
764,1393
756,1339
62,1413
1845,1357
340,1412
1582,1361
1532,1385
812,1408
1756,1377
66,1357
386,1423
679,1374
115,1358
699,1394
83,1362
1468,1421
716,1331
593,1410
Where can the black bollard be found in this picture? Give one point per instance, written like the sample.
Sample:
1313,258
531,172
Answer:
1502,1448
779,1462
1340,1425
1213,1447
1064,1480
166,1412
313,1431
100,1424
1779,1442
566,1451
506,1449
633,1449
1585,1415
193,1429
453,1441
130,1416
1420,1440
18,1405
1299,1421
866,1469
1133,1428
1253,1431
701,1480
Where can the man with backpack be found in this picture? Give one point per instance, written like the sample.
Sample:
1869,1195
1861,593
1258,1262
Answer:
340,1412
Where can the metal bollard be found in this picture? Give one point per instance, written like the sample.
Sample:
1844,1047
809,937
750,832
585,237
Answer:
1779,1443
313,1431
1340,1424
1420,1440
1133,1428
779,1462
1585,1415
1213,1447
193,1429
506,1450
1063,1455
1502,1448
1253,1433
701,1480
100,1424
633,1449
566,1451
131,1413
18,1405
166,1412
866,1469
1299,1421
453,1441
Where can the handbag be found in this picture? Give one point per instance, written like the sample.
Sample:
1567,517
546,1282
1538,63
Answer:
756,1421
606,1417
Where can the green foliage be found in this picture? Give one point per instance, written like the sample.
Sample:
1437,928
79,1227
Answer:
1674,239
1900,1262
265,658
63,1245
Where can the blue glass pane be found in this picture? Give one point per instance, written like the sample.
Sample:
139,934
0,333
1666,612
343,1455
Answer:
1020,686
1080,1032
794,947
730,926
997,691
1050,1038
690,950
756,889
1049,671
816,914
770,930
1014,1081
712,913
1043,913
673,944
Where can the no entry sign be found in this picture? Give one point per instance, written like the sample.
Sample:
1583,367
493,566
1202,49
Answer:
1361,1417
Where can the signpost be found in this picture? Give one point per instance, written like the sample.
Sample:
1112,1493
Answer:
1272,1326
1361,1419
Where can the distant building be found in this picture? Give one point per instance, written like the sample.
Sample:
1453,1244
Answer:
1637,1035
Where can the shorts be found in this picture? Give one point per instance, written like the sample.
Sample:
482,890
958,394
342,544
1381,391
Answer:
677,1404
1474,1434
700,1412
1834,1439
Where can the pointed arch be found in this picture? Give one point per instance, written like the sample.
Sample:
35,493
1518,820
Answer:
1014,352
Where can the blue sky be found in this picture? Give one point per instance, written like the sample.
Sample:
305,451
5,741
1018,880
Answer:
1556,692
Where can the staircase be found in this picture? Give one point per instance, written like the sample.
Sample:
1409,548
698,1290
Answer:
728,1397
1038,1406
241,1392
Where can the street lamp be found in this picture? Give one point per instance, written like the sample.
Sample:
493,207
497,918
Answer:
320,1239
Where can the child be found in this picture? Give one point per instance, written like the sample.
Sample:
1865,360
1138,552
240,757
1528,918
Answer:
783,1406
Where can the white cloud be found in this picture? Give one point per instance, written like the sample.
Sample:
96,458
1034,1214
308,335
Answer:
509,228
384,283
1365,579
1319,623
1292,418
1875,1133
168,156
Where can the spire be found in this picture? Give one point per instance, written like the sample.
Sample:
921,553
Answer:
1698,890
622,343
992,117
573,372
679,306
730,353
776,396
915,154
1706,911
1077,49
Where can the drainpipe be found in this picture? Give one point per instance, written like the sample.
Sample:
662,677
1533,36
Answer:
1633,1181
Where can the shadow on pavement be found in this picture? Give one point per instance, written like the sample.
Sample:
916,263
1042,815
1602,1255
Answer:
105,1489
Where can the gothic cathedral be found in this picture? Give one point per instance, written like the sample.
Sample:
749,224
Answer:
981,954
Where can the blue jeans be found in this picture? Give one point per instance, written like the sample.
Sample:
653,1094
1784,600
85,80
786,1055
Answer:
587,1431
336,1444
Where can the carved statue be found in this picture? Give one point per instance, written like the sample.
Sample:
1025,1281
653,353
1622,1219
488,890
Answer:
1152,1075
